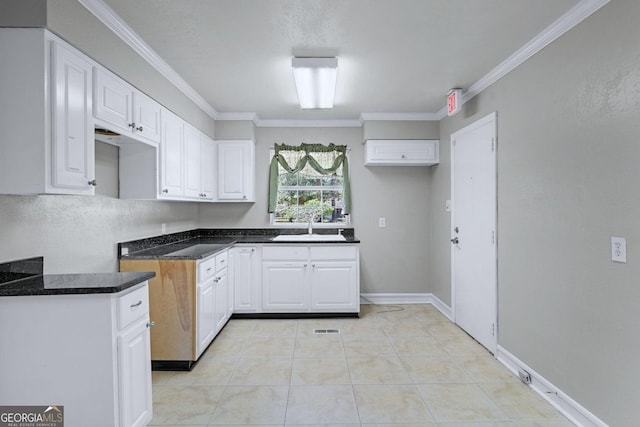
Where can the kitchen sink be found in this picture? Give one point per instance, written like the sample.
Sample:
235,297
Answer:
309,238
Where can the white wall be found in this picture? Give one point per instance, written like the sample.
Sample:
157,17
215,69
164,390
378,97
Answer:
568,154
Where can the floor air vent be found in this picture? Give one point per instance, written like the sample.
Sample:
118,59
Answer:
326,331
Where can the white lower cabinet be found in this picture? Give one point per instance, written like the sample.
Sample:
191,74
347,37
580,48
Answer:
205,314
212,301
310,278
247,279
284,286
332,286
88,353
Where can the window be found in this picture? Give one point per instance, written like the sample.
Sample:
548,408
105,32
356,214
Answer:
315,188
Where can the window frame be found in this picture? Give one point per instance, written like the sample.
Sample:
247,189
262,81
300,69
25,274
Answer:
329,225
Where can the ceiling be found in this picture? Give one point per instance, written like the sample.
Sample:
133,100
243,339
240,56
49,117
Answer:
399,56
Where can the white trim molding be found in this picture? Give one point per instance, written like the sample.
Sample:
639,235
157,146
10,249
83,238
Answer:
407,298
115,23
570,19
120,28
571,409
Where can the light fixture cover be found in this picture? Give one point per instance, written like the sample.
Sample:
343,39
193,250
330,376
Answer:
315,81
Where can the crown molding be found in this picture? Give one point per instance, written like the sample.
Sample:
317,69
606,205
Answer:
119,27
356,123
424,117
253,117
570,19
560,26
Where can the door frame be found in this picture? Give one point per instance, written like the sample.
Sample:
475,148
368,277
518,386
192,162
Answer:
488,119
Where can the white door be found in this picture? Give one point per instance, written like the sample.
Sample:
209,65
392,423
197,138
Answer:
473,230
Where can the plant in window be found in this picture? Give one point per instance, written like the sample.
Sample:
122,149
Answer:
315,188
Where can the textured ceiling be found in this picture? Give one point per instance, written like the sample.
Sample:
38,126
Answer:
399,56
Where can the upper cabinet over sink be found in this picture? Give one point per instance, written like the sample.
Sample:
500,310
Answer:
401,152
47,134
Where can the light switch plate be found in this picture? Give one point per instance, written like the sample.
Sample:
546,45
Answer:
619,249
382,222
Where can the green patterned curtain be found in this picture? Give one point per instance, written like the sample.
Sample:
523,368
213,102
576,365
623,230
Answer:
309,149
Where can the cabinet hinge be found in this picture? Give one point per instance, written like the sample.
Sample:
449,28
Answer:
493,329
493,144
493,237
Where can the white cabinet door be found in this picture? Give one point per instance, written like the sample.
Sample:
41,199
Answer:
171,166
120,107
221,291
146,117
73,158
205,315
334,286
191,161
207,168
236,174
247,283
284,286
113,101
134,372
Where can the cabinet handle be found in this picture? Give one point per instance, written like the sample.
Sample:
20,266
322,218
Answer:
92,182
132,125
305,265
244,197
136,304
140,129
151,324
404,157
165,190
222,260
217,279
209,269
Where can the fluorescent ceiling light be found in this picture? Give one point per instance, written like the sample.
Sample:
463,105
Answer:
315,81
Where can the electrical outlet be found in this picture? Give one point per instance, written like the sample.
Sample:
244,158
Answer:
382,222
619,249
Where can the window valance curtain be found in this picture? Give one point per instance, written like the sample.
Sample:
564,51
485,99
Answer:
309,149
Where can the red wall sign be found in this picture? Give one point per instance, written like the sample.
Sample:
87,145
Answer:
453,101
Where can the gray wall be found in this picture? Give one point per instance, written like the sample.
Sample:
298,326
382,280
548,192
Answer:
568,152
392,258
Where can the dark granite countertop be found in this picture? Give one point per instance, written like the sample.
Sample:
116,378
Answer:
16,280
202,243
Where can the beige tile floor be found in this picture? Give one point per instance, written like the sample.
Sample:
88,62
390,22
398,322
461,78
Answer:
394,366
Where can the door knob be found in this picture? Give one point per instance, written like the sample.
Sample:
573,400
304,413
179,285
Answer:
455,241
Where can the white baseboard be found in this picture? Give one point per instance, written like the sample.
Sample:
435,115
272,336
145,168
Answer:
407,298
571,409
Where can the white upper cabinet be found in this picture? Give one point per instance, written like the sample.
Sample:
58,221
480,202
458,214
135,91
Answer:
207,168
236,171
72,148
47,144
397,152
121,108
192,137
171,152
